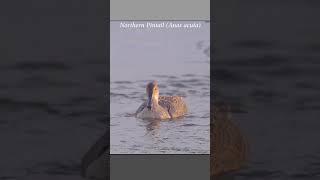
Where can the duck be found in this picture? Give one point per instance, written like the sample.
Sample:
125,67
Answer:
161,107
229,148
94,164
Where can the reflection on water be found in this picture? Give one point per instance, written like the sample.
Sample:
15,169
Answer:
153,125
179,61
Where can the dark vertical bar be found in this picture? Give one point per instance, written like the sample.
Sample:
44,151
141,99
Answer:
52,88
265,59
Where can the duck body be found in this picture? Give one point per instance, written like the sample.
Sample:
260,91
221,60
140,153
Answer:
161,107
168,107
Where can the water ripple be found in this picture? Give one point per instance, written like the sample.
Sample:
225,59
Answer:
39,65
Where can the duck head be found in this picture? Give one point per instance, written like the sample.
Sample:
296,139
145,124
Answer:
152,94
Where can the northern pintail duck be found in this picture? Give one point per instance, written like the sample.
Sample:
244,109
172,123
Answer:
161,107
229,148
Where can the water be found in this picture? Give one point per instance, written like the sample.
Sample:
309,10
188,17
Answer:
53,122
178,59
269,79
52,90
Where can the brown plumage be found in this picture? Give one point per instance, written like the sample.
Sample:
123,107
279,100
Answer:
175,105
229,149
161,107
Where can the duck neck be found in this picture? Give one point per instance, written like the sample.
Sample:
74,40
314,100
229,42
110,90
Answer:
155,101
152,103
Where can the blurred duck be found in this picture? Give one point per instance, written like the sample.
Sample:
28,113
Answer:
94,164
229,149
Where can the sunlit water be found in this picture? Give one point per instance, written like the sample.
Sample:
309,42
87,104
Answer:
178,59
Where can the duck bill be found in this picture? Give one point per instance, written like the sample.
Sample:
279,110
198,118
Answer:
149,102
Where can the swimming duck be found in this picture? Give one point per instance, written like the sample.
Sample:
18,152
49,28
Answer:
229,148
160,107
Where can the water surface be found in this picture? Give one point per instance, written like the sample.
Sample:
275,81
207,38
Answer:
178,59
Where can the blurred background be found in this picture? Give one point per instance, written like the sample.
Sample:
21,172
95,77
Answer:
266,64
53,86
